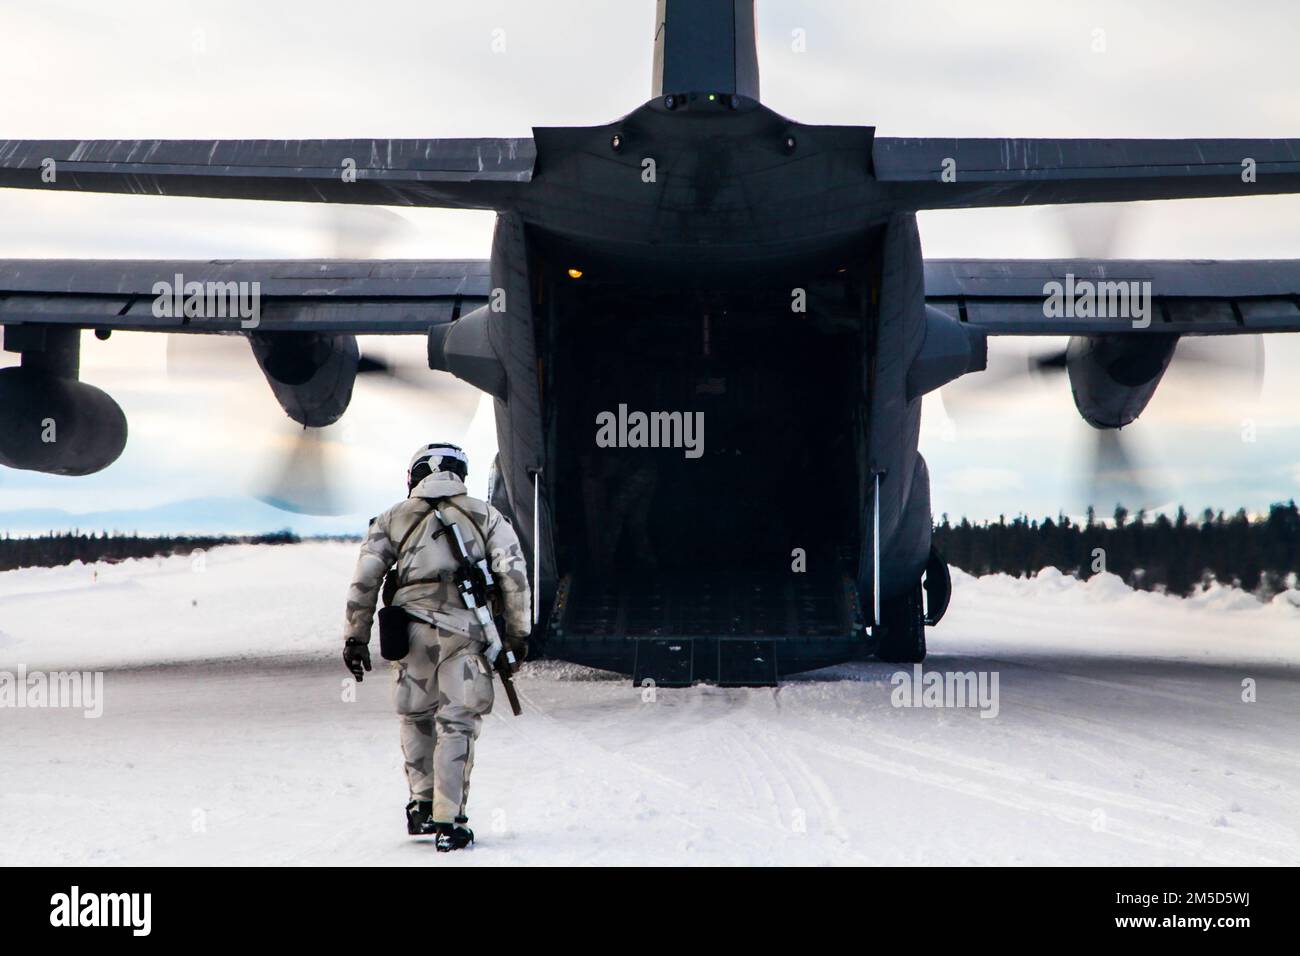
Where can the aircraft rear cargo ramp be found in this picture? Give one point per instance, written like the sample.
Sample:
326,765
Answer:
738,630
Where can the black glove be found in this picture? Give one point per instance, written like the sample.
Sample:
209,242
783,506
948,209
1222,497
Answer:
356,655
519,647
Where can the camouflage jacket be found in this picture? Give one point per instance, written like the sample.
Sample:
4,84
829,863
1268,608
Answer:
429,564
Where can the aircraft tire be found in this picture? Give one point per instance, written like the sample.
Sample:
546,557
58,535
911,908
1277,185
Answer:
900,637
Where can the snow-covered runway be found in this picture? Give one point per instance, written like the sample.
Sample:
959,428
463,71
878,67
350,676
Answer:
1121,736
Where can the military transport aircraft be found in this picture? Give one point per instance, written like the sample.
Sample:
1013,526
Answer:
701,260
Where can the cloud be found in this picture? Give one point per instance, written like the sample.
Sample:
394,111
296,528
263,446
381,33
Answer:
980,481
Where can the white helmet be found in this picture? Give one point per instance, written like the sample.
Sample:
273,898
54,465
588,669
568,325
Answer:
440,456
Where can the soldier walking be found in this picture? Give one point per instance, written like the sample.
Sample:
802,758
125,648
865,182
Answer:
443,654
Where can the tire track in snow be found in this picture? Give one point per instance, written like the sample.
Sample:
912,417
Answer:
814,785
1202,817
675,791
1022,801
803,790
1205,814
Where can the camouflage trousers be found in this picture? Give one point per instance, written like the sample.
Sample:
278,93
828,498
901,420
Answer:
443,688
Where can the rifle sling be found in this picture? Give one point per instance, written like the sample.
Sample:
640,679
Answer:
446,502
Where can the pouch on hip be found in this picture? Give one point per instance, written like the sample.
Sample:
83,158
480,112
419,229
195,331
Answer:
394,635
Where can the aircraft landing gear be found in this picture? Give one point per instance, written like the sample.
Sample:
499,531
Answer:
900,635
938,587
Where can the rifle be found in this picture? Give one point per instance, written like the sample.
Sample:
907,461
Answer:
475,584
505,666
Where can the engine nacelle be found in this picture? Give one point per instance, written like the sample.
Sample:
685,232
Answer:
950,350
1113,377
57,425
310,373
463,349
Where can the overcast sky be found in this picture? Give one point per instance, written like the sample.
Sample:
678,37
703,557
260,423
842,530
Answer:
237,69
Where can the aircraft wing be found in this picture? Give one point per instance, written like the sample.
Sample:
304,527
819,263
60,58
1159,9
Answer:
965,173
451,173
394,297
363,297
1190,297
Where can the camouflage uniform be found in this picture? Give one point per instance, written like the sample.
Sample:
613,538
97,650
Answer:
443,686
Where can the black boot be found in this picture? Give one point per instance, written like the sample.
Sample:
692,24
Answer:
453,836
419,818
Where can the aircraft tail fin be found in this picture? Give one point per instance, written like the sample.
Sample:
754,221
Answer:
706,46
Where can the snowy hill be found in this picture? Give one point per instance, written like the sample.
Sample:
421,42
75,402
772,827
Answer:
229,515
1120,736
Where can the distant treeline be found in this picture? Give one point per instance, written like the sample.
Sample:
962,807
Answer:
1176,555
53,550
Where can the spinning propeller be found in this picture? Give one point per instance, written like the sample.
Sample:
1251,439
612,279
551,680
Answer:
303,468
1116,469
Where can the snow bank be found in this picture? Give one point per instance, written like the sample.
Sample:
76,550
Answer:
234,601
242,601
